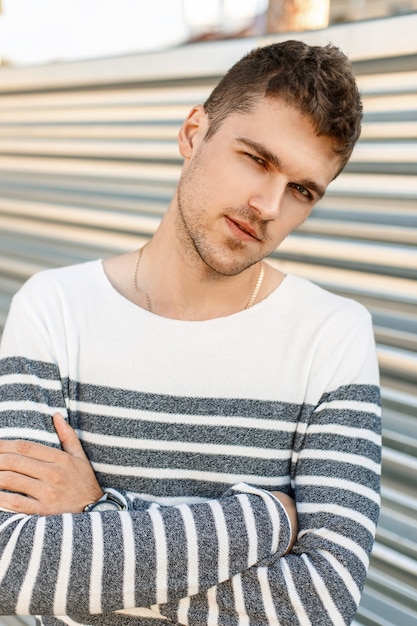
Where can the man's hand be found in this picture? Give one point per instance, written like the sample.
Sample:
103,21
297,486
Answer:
289,505
47,481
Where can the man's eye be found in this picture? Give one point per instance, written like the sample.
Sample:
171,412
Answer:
257,159
301,189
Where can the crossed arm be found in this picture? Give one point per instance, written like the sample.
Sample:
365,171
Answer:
41,480
240,543
127,581
46,481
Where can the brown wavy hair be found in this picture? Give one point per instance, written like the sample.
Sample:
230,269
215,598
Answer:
317,80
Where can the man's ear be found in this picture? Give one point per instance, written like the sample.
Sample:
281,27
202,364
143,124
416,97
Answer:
193,131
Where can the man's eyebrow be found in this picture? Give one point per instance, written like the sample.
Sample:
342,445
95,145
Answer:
272,159
263,152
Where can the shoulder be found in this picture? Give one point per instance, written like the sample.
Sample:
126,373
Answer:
50,292
313,301
336,336
78,276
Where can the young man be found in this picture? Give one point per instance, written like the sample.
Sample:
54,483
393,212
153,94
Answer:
210,391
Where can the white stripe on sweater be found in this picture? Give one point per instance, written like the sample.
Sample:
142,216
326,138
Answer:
251,530
121,413
195,475
63,577
97,562
270,502
21,378
161,556
239,599
183,447
182,613
29,434
344,574
213,608
267,598
341,457
351,405
30,406
67,620
26,589
323,593
129,563
338,483
335,509
222,536
8,553
344,431
340,540
192,550
294,597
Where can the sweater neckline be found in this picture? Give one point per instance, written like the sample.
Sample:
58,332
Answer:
253,311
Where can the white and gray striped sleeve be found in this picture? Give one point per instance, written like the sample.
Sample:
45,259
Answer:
101,562
337,492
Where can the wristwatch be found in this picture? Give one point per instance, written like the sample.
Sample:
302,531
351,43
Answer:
108,502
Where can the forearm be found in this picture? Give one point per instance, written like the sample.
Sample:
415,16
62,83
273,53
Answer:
134,558
94,563
337,493
319,582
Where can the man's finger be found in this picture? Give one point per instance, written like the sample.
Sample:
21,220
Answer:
29,449
20,504
19,466
19,483
68,437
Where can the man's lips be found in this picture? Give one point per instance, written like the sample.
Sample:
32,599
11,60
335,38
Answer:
242,229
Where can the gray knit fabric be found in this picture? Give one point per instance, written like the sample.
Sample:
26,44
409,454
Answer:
193,423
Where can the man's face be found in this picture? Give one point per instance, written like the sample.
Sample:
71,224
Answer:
252,183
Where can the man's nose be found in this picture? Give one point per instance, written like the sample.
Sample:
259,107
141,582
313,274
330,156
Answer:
268,200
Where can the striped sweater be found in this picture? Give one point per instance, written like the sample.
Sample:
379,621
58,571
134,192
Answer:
193,423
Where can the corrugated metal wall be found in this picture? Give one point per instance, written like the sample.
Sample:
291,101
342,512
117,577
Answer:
88,162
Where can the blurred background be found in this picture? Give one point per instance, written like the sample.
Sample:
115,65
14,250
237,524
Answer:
92,94
44,31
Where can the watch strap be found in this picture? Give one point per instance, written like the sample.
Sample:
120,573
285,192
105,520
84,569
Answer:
118,503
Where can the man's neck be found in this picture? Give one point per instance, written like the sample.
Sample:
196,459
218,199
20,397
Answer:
180,288
171,282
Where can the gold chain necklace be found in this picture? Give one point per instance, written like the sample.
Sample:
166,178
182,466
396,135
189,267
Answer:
257,287
135,283
147,297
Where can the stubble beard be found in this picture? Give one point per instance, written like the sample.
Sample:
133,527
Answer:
194,242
